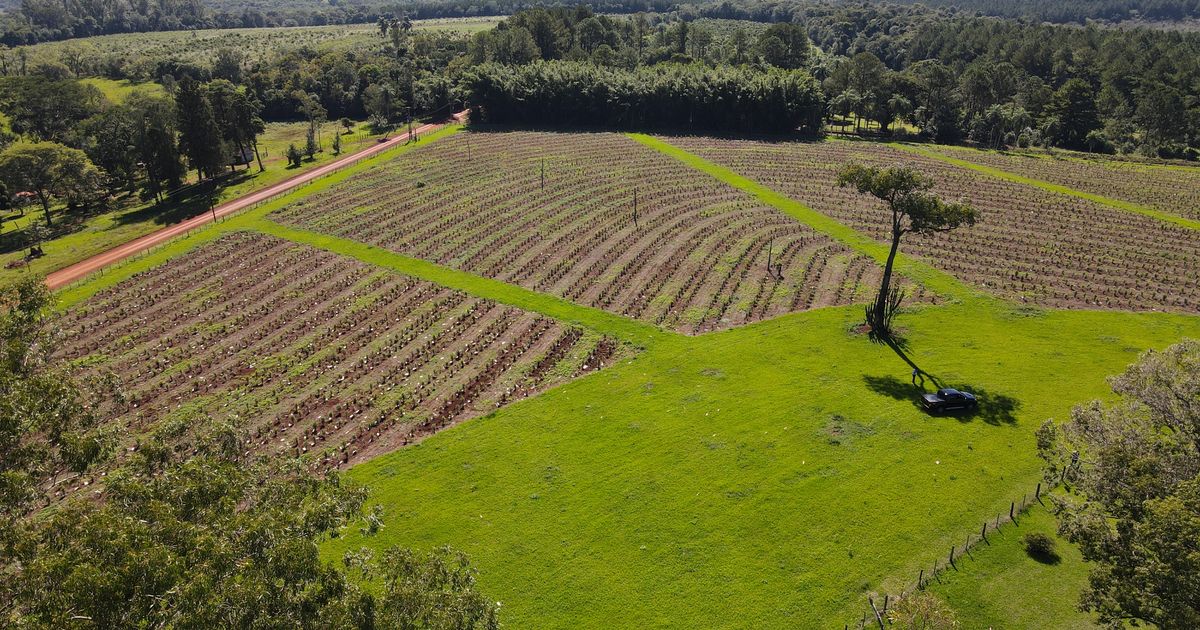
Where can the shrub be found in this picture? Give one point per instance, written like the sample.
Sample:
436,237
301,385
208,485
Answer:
922,611
1039,545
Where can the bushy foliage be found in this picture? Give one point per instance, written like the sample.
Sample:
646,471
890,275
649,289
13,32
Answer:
1135,468
1038,545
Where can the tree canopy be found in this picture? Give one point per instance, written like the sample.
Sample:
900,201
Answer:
1134,470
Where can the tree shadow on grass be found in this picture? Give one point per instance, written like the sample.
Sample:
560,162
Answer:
994,408
1050,558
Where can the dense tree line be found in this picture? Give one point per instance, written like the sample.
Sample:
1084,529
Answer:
1076,11
992,81
670,96
73,144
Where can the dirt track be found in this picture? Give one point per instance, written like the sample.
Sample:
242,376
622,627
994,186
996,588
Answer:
83,268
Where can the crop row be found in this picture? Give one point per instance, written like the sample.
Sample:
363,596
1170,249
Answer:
1172,189
695,255
306,353
1030,244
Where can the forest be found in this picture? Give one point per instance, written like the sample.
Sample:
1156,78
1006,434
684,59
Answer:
30,21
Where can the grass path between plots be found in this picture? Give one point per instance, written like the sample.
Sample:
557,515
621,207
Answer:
935,280
1048,186
636,332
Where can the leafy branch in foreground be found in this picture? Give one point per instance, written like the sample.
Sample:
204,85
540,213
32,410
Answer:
1134,467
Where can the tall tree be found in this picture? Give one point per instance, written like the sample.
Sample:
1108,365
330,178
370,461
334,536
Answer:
914,210
1134,468
785,45
1073,114
200,137
157,142
48,170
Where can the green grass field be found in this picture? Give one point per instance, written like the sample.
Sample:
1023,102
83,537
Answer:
1001,586
771,475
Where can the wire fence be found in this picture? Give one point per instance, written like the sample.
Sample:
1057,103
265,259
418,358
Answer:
876,613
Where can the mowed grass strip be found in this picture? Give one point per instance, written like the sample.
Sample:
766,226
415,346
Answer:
937,281
1050,187
638,333
75,293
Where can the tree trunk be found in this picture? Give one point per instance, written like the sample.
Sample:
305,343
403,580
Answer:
885,286
257,157
45,207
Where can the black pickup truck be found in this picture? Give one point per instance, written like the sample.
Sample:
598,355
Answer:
948,400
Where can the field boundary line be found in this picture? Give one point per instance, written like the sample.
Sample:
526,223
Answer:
1049,186
636,332
934,279
183,242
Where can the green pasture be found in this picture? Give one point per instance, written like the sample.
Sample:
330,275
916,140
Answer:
999,585
772,475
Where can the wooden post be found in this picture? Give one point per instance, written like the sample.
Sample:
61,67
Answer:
543,173
885,603
1012,509
875,610
983,534
770,246
921,580
1038,493
952,558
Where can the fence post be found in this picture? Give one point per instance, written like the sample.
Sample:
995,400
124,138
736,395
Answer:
875,610
952,558
921,580
1012,508
983,534
1038,493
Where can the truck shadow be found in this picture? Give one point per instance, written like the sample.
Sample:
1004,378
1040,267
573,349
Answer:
994,408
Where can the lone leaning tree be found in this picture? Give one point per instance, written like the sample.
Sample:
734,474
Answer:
914,209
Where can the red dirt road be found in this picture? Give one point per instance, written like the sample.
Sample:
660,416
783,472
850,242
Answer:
69,274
